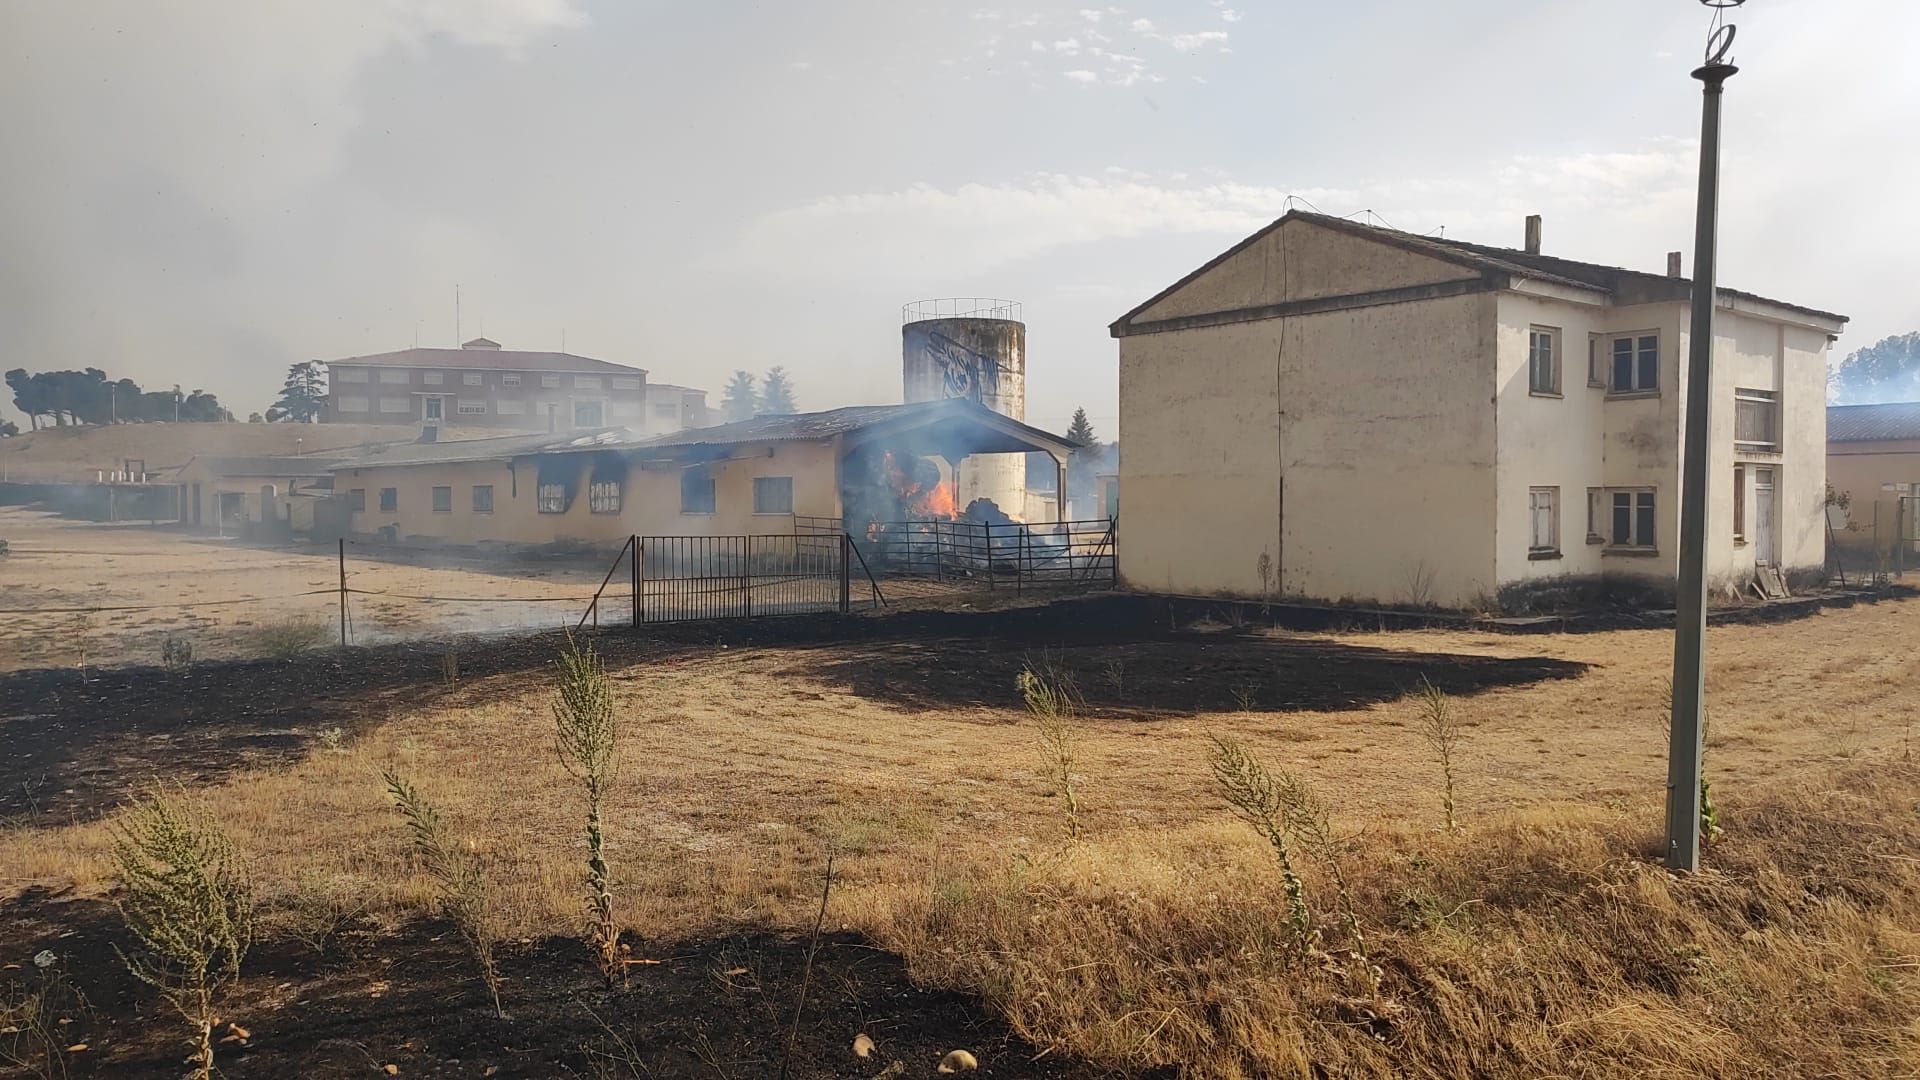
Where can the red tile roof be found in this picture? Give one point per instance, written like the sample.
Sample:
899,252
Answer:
488,360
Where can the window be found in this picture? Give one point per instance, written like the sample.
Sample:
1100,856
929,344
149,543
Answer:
586,382
435,408
471,408
1636,364
351,404
389,499
399,378
1739,504
1543,509
470,378
603,497
395,405
627,384
443,500
551,498
588,414
509,380
433,378
356,500
1596,362
773,494
666,410
510,408
347,374
483,498
1631,524
549,381
1543,360
696,492
1756,420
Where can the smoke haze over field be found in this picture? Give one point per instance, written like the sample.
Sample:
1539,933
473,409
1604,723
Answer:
204,193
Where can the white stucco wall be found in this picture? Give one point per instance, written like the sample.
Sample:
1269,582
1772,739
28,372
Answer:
1371,424
1367,448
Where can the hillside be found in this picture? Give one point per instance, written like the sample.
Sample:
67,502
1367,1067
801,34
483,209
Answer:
78,453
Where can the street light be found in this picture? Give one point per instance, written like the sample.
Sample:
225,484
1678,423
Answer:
1690,629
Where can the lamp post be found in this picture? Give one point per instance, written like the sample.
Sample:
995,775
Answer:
1690,630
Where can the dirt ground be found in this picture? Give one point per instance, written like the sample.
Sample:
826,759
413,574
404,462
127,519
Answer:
226,597
895,741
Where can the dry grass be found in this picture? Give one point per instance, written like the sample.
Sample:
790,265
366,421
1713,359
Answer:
1535,940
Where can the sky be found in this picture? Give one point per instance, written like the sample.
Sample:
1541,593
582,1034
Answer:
203,192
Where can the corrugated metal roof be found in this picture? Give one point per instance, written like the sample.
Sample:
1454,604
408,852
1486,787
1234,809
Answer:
488,359
422,453
304,466
1873,423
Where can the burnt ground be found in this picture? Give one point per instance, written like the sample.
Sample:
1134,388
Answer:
713,1008
407,998
77,742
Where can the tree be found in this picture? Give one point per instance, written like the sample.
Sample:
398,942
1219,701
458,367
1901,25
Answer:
776,392
90,397
740,400
303,395
1087,460
1887,370
1081,430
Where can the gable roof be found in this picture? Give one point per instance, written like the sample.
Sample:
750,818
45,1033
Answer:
1624,285
1872,423
282,466
493,449
874,420
491,359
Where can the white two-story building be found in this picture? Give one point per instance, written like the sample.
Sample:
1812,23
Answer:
1334,411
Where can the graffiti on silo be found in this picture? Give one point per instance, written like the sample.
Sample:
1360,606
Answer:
963,372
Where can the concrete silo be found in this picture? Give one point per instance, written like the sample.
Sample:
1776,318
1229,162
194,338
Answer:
975,348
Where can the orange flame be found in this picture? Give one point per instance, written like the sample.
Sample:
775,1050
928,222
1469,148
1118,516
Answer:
919,500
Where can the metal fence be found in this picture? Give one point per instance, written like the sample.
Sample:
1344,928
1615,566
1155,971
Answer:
680,578
1063,554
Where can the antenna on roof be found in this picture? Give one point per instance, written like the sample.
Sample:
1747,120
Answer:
563,339
456,313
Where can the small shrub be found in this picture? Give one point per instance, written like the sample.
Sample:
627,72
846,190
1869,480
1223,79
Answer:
284,639
187,900
176,654
1054,702
450,665
1263,566
333,738
318,907
1419,585
1115,671
464,895
587,738
1254,795
1441,729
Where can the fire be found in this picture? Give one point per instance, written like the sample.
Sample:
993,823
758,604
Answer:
921,492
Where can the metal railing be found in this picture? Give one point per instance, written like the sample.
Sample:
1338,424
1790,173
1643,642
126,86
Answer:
1012,555
682,578
961,307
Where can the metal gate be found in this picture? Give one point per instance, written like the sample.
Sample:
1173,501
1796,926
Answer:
681,578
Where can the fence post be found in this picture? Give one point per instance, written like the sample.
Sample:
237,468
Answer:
989,530
846,574
343,592
746,593
635,541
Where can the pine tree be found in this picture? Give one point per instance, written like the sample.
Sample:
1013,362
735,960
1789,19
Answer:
303,395
741,399
1081,430
776,392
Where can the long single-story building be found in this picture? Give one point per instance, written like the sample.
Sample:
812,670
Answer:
761,476
230,494
1873,473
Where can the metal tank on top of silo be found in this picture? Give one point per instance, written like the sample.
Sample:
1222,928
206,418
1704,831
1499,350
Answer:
975,348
